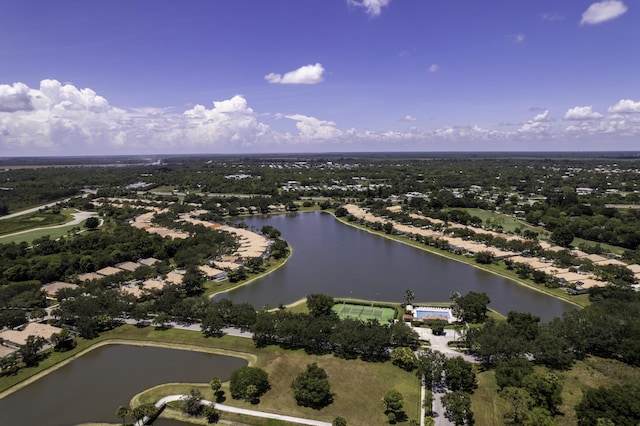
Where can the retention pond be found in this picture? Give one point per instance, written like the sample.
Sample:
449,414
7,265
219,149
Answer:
92,387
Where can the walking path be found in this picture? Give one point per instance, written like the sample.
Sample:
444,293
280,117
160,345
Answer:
254,413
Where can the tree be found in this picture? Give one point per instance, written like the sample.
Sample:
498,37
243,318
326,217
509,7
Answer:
212,324
215,384
210,412
244,377
123,411
144,410
388,227
520,402
409,295
430,366
30,351
339,421
91,223
459,375
510,373
458,408
63,341
251,394
393,401
192,403
472,307
319,304
311,388
404,358
562,236
484,257
619,404
545,389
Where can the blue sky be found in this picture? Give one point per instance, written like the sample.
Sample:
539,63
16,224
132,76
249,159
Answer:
260,76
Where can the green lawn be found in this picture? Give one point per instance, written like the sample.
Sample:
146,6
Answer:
37,219
508,223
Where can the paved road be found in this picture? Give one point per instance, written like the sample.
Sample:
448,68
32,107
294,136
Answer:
440,344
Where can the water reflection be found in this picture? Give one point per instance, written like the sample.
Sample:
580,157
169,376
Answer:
90,388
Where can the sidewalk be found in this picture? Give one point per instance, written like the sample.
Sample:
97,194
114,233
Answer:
244,411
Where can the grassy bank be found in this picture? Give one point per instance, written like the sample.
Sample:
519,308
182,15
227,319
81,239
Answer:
213,288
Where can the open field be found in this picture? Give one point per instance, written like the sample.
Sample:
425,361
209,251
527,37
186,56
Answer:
508,223
347,377
364,312
37,219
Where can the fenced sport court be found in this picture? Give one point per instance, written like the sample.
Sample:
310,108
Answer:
346,310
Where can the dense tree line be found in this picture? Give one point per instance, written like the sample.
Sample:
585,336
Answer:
322,332
609,328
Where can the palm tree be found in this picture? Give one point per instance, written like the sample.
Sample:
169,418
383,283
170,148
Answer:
409,295
123,411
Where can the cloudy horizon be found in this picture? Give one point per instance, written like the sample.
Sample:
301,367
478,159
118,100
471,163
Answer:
369,75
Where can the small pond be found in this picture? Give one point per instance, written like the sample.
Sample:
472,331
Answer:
92,387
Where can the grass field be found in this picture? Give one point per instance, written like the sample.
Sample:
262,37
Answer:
347,310
37,219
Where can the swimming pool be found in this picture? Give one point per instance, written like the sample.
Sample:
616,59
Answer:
426,312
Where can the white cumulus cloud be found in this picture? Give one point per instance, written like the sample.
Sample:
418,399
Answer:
16,97
313,128
625,106
603,11
408,118
582,113
373,7
308,74
434,68
542,117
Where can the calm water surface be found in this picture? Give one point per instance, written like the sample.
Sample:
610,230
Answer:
341,261
91,388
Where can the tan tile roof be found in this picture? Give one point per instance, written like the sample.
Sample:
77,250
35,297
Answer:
52,288
19,337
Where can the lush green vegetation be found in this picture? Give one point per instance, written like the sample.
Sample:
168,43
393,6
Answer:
567,201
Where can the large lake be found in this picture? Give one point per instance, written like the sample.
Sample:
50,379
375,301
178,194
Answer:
342,261
92,387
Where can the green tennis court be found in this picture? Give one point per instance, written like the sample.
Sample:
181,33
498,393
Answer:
346,310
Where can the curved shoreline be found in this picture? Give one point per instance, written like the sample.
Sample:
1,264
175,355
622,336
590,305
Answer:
252,279
438,253
250,358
